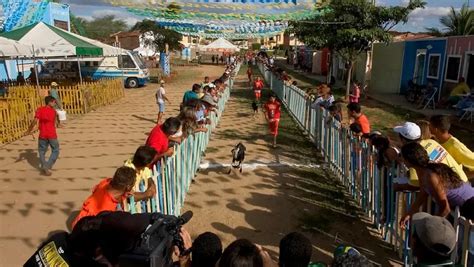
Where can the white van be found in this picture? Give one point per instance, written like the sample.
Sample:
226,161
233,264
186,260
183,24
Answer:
129,66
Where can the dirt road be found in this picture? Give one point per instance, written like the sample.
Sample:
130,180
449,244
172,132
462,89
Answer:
91,148
280,190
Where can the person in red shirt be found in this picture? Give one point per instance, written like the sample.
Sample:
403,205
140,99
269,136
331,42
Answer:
159,137
249,74
109,194
45,117
355,113
272,114
257,88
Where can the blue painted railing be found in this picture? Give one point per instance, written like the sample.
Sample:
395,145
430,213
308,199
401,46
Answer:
353,161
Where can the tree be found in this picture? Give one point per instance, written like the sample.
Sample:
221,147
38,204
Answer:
455,23
350,27
101,28
160,35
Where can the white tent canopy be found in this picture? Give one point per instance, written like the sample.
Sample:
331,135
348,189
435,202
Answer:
107,50
12,48
220,45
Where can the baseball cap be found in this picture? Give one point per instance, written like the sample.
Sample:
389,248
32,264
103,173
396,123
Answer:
409,130
54,84
162,82
209,100
435,232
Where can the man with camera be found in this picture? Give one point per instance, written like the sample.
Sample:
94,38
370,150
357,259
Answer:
118,239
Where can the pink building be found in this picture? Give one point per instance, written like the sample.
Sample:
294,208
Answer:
459,61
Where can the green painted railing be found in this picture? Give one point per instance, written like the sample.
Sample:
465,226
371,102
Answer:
173,175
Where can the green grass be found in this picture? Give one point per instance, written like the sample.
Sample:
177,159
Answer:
383,117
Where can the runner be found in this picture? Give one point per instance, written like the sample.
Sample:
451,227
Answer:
160,100
257,88
272,114
249,74
46,118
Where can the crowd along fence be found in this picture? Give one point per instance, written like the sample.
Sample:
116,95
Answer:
353,161
173,175
17,108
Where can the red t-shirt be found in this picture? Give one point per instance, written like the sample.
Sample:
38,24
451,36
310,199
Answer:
273,109
47,122
100,200
158,140
258,85
364,123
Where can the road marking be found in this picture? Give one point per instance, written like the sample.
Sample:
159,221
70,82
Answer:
252,165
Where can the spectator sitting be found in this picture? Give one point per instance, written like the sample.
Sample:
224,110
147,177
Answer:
295,250
346,256
3,89
434,239
440,182
458,91
159,137
192,94
241,252
109,193
354,112
141,162
464,103
439,127
20,79
411,132
207,250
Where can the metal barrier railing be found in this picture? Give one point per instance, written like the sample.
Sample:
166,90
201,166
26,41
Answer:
353,161
173,175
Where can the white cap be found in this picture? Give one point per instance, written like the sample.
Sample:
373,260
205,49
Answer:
409,130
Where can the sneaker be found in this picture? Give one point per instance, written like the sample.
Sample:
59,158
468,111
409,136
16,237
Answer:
47,172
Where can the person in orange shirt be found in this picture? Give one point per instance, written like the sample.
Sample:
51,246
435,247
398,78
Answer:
109,194
355,113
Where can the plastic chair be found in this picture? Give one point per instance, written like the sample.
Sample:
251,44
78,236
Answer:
430,99
468,113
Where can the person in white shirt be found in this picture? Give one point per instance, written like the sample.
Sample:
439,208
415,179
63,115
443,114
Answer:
160,100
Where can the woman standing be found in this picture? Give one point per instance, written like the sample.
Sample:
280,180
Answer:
438,181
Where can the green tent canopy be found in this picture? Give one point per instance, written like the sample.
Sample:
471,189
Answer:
50,41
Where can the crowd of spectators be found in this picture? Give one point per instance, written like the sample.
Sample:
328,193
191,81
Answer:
426,157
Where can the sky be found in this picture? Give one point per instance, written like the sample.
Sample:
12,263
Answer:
418,21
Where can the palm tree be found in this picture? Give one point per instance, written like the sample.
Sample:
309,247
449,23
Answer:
456,23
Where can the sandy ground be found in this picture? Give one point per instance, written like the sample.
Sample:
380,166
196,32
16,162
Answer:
91,148
280,190
276,193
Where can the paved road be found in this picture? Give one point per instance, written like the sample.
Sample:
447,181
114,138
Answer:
92,147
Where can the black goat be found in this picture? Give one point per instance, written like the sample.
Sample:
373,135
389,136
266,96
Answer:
238,155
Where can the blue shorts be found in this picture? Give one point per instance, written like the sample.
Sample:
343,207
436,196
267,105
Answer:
161,107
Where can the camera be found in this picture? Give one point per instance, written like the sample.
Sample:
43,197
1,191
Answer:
156,243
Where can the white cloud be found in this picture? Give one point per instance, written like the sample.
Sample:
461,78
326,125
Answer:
430,11
119,14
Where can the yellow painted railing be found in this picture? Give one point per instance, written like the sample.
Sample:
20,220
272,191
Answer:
17,108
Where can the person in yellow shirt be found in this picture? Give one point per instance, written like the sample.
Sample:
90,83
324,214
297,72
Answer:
140,163
460,89
439,127
411,132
